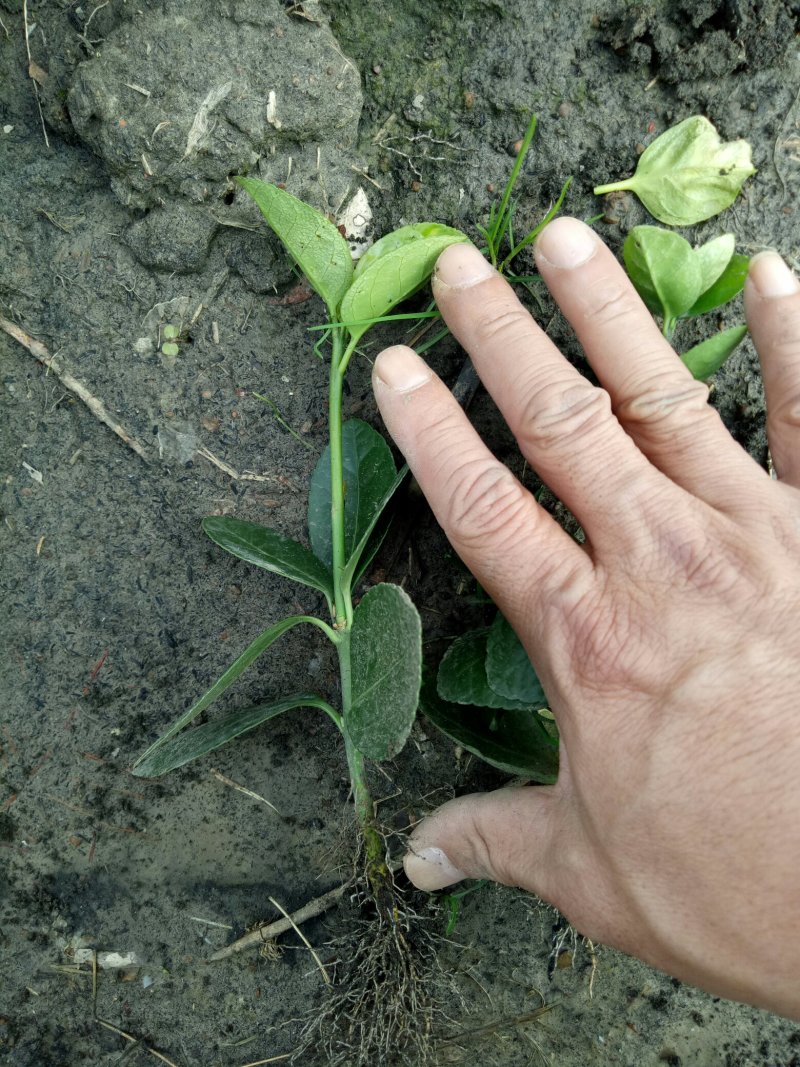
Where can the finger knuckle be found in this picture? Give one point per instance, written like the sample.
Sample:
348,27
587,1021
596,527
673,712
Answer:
501,323
665,403
563,415
487,505
610,303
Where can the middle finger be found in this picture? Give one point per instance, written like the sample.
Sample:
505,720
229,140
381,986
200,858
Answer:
563,423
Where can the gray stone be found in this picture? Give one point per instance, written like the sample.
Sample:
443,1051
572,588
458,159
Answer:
175,103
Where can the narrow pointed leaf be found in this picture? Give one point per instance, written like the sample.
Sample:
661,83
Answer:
729,284
319,250
662,266
392,277
706,358
252,652
203,739
462,675
270,550
688,174
509,671
368,470
386,657
513,741
368,545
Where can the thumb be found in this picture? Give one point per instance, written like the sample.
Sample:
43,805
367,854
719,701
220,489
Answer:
508,836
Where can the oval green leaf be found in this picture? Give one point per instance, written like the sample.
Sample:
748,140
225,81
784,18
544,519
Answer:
386,671
392,277
319,250
203,739
663,268
706,358
370,540
688,174
417,231
509,671
270,550
729,284
368,470
513,741
462,675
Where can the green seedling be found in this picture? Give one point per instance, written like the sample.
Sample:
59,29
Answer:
688,174
170,334
378,641
679,282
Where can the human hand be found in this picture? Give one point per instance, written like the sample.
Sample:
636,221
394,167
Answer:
668,645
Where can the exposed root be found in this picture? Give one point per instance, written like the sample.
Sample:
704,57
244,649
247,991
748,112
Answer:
383,1003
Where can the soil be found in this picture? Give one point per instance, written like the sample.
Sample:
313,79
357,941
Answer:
118,219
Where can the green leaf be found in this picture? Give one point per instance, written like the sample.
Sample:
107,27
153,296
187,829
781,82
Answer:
417,231
713,257
368,470
270,550
513,741
462,675
509,672
386,658
664,269
706,358
252,652
392,277
728,285
203,739
319,250
687,174
354,568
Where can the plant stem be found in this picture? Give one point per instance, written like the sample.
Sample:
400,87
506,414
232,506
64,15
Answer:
342,606
614,187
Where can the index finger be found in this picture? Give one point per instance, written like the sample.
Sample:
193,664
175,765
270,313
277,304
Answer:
515,549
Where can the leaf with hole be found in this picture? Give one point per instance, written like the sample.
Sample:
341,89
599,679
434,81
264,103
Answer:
513,741
386,656
319,250
191,744
462,675
392,277
688,174
706,358
270,550
368,471
225,681
509,671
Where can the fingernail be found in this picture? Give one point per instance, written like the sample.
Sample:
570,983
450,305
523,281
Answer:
461,266
771,277
401,369
430,869
566,243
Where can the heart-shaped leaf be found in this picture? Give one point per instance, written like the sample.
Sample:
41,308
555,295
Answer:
368,471
509,671
203,739
688,174
513,741
386,670
270,550
319,250
706,358
462,675
392,277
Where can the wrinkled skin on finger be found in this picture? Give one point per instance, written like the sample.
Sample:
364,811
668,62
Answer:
668,645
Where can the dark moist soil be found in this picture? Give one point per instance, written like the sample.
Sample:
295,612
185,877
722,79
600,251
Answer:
117,612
